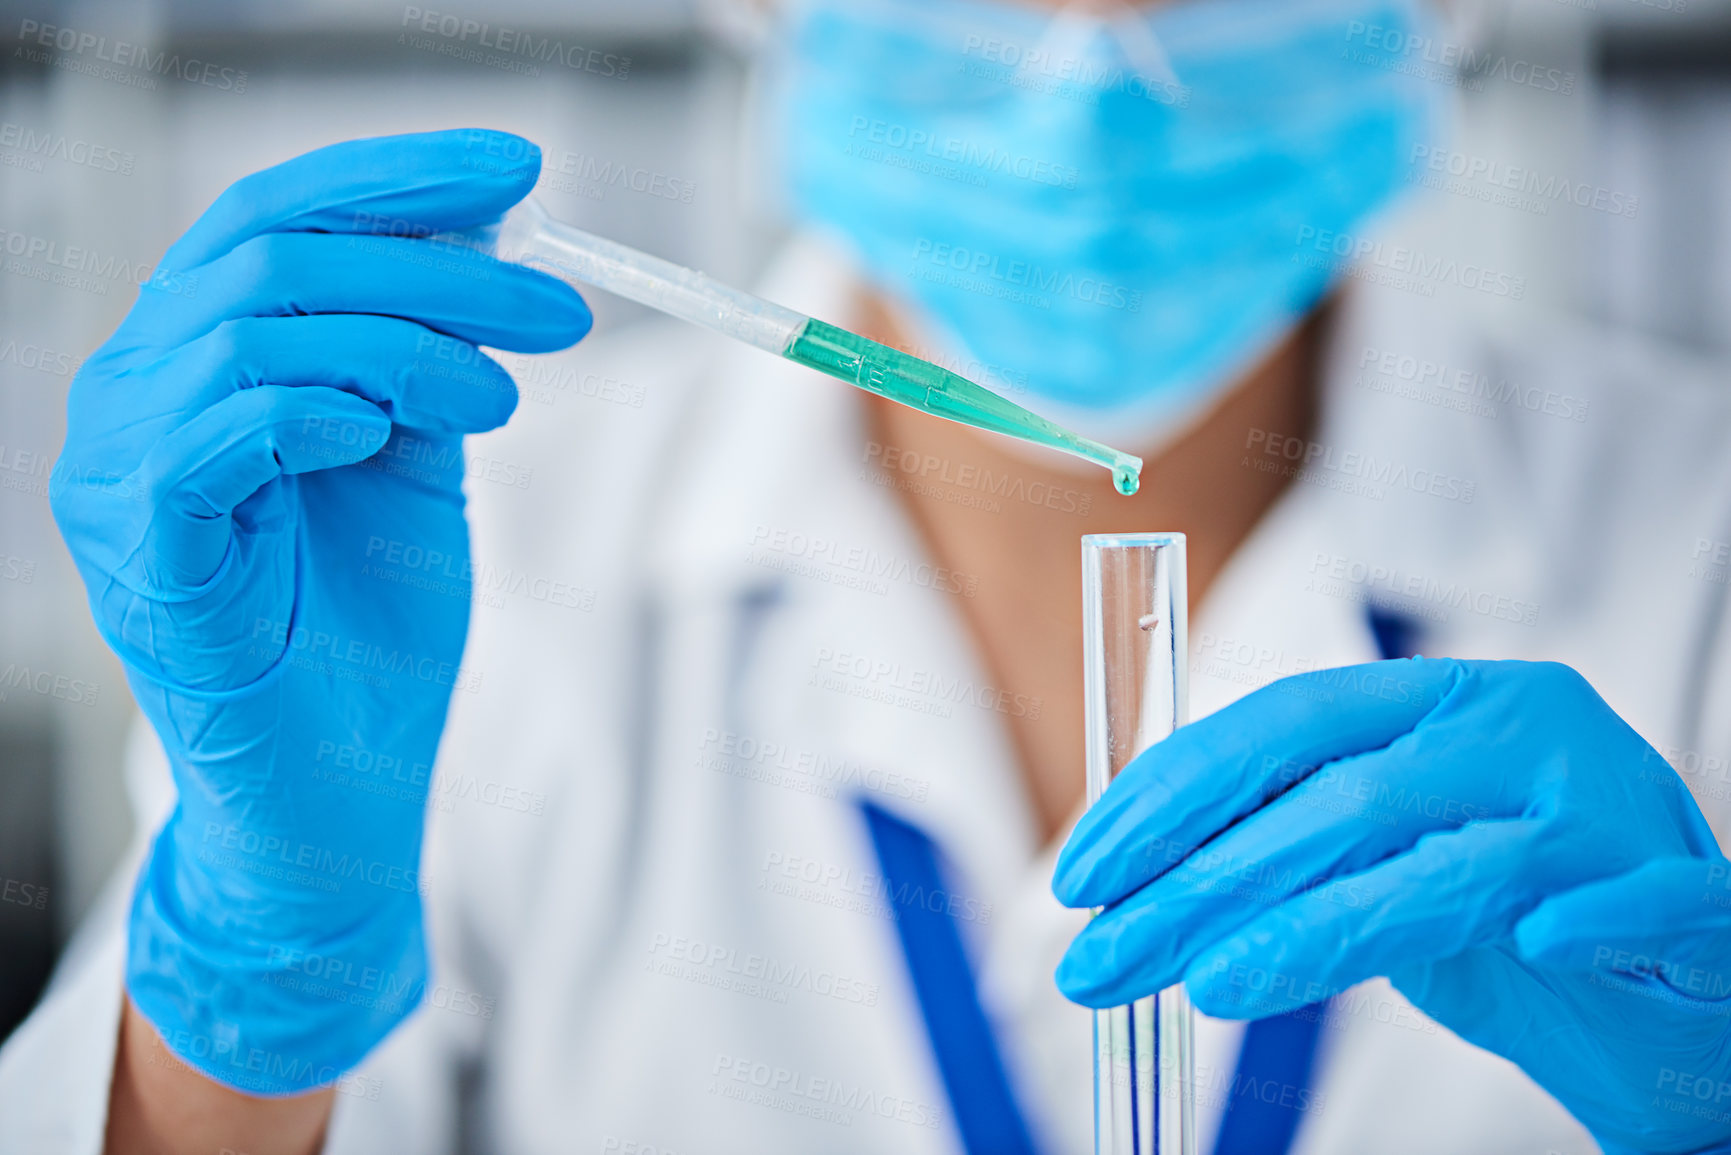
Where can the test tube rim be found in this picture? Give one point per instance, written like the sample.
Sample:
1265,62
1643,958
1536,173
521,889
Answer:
1130,540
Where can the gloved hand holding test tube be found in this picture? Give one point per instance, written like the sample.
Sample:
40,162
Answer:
528,235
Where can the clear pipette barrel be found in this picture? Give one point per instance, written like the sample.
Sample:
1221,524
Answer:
1134,644
528,235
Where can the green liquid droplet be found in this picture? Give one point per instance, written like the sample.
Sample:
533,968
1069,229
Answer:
932,389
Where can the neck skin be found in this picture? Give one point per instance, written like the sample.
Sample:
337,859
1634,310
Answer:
1026,615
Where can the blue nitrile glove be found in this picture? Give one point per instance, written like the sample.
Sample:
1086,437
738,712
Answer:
262,488
1489,835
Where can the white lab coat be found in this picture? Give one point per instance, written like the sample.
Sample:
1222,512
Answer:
647,867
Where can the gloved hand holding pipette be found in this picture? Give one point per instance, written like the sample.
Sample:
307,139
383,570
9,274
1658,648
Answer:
1479,832
231,468
269,413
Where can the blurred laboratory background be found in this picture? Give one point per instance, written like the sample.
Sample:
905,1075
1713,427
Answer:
114,139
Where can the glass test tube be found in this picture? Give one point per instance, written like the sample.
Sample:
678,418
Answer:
1135,623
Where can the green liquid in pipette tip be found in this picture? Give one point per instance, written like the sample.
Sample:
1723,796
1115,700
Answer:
907,379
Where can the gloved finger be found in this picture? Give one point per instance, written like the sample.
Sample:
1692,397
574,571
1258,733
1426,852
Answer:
1664,924
1344,819
447,288
1183,791
415,185
1292,844
197,474
418,378
1451,892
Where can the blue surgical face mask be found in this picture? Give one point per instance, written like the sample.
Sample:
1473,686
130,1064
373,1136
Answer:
1115,213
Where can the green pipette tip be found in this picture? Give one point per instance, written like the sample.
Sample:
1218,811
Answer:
910,381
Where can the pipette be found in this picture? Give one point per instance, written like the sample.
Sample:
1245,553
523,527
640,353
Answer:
529,235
